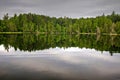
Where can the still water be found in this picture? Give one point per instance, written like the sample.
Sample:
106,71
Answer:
59,57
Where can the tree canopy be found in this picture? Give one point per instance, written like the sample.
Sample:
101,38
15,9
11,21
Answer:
40,23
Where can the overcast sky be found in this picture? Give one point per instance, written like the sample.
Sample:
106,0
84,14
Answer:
60,8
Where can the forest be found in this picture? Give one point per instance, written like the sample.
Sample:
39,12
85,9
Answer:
33,23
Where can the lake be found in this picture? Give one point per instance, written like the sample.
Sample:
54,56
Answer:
59,57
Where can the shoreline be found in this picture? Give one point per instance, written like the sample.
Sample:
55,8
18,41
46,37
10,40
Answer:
58,33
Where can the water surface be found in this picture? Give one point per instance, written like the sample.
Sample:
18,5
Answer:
59,57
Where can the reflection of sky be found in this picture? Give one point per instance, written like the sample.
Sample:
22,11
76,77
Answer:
73,63
57,50
75,66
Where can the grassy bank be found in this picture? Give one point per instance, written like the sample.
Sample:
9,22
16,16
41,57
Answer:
11,32
22,33
58,33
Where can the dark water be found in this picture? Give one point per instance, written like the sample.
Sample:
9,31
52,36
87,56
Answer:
59,57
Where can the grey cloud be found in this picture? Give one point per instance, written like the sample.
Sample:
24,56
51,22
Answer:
57,8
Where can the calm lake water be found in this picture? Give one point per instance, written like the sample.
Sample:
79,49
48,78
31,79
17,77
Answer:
59,57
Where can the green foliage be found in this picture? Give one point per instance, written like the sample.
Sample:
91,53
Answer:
117,28
39,23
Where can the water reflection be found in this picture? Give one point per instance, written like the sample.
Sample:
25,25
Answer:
57,50
29,43
79,66
59,57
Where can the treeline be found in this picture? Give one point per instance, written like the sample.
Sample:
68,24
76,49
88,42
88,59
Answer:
34,42
109,24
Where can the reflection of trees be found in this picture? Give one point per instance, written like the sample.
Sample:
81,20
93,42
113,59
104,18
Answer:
28,42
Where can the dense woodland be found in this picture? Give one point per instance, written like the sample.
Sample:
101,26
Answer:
109,24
